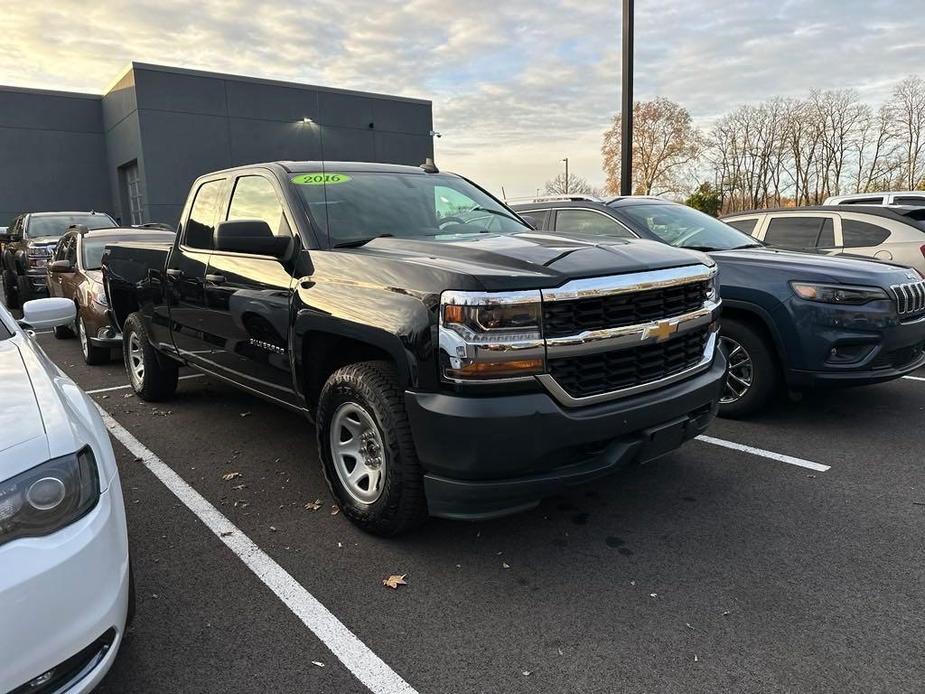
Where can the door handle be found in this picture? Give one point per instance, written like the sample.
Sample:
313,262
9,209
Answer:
215,279
175,273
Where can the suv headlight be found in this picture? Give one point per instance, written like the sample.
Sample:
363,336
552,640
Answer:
837,293
490,336
99,297
48,497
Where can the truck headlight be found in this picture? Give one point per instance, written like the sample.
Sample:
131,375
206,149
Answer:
49,496
837,293
488,336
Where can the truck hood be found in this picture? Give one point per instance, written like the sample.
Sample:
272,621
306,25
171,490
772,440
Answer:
809,266
533,260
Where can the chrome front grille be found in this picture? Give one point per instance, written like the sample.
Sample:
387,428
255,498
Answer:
612,337
910,299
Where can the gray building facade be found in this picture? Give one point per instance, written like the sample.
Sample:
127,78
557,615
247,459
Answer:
134,150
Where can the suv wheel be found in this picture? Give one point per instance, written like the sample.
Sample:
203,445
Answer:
152,378
92,354
753,377
367,453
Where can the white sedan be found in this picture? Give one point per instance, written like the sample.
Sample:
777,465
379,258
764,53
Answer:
65,585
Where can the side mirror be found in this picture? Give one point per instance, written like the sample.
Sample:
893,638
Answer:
251,236
40,314
530,219
60,266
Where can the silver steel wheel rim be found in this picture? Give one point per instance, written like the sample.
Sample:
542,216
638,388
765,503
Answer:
136,361
358,453
741,375
82,334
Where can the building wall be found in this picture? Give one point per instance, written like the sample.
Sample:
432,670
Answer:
70,151
52,152
192,123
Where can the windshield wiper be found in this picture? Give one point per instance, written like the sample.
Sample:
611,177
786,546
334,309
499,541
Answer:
703,249
495,212
356,243
748,245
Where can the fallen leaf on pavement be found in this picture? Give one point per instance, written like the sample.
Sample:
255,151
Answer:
317,663
505,565
335,510
313,505
245,414
394,581
230,475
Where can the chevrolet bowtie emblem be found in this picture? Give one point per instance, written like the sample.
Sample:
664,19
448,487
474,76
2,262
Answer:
661,330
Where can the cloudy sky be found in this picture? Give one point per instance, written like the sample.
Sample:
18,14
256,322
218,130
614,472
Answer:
517,84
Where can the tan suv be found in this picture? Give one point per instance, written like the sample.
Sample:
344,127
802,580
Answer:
894,234
74,273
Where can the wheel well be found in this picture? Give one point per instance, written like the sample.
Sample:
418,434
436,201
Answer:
757,323
325,353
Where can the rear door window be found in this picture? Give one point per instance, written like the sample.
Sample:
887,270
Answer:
202,216
589,222
863,201
744,225
537,217
794,233
858,234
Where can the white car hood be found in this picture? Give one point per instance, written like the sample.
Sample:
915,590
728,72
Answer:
20,418
43,414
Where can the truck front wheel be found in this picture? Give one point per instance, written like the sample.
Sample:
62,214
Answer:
367,453
152,378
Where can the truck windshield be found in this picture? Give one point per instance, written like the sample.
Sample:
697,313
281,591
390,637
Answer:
685,227
54,225
357,206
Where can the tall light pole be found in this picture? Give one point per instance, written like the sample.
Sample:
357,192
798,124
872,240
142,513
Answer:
566,175
626,139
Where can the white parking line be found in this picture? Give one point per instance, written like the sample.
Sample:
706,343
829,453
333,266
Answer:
107,390
353,653
780,457
914,378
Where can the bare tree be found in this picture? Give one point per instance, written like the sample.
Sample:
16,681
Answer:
576,185
907,112
665,142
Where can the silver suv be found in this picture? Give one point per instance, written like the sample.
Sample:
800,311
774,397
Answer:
895,234
897,197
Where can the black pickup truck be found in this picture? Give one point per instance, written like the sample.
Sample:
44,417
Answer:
456,362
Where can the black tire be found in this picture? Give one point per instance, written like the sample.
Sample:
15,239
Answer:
132,597
158,380
9,290
24,291
374,386
765,372
63,332
93,355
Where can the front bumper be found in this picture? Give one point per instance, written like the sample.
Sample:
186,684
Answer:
64,599
100,328
895,351
490,456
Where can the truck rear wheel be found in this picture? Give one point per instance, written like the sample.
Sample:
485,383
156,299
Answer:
9,289
152,378
367,453
23,289
754,376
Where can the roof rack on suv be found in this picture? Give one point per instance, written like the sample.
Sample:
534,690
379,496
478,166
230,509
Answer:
554,198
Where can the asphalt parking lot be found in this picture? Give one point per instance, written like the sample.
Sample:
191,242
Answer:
712,569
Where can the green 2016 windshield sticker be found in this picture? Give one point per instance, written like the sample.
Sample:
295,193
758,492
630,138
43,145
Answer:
320,179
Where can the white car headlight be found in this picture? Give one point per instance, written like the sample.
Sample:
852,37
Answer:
49,496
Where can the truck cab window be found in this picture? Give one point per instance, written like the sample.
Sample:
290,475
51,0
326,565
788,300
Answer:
255,198
203,214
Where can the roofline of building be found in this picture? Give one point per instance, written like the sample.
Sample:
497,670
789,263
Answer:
50,92
256,80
